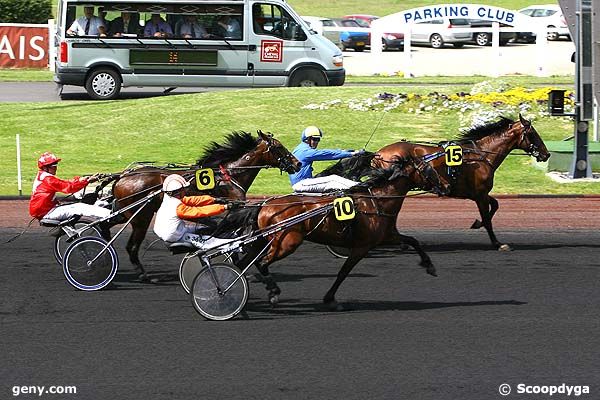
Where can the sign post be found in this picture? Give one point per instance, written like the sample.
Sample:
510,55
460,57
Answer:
19,165
584,107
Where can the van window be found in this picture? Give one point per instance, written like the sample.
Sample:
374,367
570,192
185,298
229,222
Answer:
156,21
272,20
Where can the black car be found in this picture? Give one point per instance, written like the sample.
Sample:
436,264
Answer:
485,38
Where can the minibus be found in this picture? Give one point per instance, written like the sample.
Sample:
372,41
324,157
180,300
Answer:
106,45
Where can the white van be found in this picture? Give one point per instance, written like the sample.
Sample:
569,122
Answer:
172,43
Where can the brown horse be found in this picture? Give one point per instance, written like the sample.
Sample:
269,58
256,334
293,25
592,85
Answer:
376,202
484,149
238,162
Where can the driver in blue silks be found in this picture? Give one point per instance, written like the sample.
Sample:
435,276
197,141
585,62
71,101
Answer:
306,152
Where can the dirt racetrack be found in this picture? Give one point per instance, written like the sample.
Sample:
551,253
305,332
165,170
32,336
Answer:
429,212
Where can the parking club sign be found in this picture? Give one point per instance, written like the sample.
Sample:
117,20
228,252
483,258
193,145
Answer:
271,50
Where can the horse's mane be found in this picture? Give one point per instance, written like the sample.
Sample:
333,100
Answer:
379,176
486,130
353,168
236,144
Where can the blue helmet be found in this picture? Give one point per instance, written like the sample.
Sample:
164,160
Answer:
311,131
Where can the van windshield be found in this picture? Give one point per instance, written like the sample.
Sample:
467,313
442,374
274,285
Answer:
155,20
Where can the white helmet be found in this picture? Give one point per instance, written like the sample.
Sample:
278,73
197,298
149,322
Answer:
174,182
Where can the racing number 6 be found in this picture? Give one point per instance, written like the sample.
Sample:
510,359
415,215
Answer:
344,208
205,179
454,156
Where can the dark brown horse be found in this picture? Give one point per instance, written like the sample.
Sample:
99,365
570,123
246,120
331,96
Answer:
237,162
376,201
484,149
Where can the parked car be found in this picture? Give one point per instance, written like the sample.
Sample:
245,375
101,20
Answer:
526,37
438,32
356,40
321,25
551,16
485,38
389,40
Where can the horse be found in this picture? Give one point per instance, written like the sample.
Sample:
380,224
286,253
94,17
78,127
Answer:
377,202
238,162
484,150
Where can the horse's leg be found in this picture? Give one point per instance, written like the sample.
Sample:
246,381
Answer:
139,228
263,268
493,208
486,217
283,245
415,244
356,254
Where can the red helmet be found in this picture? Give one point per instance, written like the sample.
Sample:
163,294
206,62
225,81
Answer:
47,159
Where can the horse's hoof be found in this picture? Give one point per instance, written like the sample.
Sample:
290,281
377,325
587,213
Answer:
274,300
143,278
477,224
154,280
431,271
333,306
504,247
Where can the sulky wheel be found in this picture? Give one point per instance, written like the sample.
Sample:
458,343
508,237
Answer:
339,252
62,241
219,292
88,264
191,265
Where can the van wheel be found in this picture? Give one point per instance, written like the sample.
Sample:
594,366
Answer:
103,84
436,41
359,49
308,78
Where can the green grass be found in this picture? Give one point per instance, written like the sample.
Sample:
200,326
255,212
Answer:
107,136
339,8
25,75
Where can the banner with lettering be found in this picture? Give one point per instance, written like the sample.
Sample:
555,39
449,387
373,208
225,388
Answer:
23,46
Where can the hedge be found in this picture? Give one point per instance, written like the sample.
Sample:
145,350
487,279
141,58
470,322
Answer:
25,11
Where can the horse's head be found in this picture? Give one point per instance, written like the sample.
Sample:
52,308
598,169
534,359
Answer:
531,142
422,174
276,155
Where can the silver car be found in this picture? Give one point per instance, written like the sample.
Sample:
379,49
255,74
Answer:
438,32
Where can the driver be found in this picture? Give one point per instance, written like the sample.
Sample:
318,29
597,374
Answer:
43,203
306,152
170,224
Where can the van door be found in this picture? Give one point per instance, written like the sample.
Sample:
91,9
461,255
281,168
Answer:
275,41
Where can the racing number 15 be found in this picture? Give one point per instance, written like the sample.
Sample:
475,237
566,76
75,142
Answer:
454,155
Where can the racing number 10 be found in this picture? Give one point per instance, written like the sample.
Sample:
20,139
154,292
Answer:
454,156
205,179
344,208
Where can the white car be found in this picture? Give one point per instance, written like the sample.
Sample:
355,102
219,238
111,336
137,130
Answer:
551,16
438,32
322,26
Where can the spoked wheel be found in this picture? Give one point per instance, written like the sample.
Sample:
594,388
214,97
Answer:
191,266
219,292
87,266
339,252
62,241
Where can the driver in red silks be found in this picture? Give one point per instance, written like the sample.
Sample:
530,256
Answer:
43,203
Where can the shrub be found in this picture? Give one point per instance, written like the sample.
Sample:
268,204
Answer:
25,11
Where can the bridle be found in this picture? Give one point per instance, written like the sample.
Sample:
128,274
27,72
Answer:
526,143
283,160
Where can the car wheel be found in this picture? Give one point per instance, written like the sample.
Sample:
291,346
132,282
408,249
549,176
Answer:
359,49
308,77
458,45
436,41
552,35
482,39
103,84
384,46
